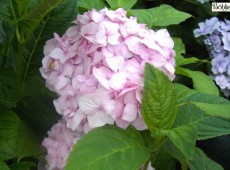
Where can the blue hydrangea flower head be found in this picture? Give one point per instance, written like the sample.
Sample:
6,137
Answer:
207,27
216,36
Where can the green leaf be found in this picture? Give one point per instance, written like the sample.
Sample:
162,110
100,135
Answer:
29,23
9,95
218,110
189,60
143,16
8,131
201,82
207,126
162,160
184,138
114,4
179,48
27,143
91,4
159,105
182,91
23,165
175,153
5,12
56,21
211,104
22,6
166,15
102,148
8,45
3,166
17,139
39,113
210,127
202,162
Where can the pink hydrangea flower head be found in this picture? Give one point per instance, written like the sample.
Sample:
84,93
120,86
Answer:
97,68
59,143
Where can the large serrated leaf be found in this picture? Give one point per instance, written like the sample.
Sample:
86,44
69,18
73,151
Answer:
114,4
108,148
184,138
57,21
91,4
201,82
166,15
6,11
202,162
143,16
182,91
159,105
211,104
208,126
22,7
28,24
16,138
8,131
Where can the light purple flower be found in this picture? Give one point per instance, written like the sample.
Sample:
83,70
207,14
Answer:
213,42
218,45
226,40
225,26
222,81
207,27
219,64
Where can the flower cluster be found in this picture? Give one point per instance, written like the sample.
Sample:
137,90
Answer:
97,68
217,40
59,144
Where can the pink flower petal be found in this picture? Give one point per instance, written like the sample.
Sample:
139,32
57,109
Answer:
57,53
130,112
102,74
115,63
87,104
99,119
118,81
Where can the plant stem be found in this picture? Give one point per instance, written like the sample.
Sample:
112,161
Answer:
32,53
19,67
184,166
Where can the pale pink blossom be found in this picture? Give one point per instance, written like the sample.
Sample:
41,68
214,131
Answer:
97,70
99,108
59,143
104,50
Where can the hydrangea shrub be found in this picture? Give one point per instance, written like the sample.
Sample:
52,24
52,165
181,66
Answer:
112,77
97,69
